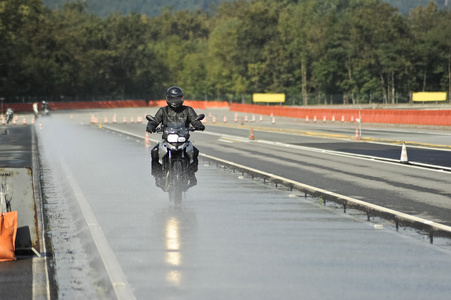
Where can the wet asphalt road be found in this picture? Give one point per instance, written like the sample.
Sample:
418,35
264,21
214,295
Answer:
324,156
232,237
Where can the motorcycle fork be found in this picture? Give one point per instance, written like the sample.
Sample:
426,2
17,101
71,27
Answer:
172,156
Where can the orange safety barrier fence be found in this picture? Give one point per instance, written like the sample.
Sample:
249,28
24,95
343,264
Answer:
96,104
28,107
391,116
194,104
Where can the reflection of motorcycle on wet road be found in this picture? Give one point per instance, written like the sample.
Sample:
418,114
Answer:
175,163
174,236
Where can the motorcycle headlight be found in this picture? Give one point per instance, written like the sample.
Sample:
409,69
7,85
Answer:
173,138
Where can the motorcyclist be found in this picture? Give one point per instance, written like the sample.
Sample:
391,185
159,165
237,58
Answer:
174,112
9,115
45,107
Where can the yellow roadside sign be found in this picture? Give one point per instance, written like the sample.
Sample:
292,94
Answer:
267,97
429,96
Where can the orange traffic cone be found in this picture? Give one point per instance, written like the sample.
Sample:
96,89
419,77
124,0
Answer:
251,135
357,135
306,119
404,158
147,138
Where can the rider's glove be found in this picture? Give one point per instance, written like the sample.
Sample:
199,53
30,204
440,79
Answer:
198,125
151,127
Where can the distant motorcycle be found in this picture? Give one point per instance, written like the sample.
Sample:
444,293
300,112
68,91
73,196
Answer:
45,109
176,159
9,115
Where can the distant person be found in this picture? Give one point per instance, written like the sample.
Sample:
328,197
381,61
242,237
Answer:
35,109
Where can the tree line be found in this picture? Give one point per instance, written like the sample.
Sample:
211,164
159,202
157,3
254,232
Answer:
316,52
104,8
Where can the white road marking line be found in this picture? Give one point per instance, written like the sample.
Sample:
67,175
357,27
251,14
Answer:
118,280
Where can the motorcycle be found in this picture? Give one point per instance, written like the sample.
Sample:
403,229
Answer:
45,109
175,162
9,115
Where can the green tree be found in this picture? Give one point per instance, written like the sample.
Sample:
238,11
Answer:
377,35
225,65
305,30
15,17
432,46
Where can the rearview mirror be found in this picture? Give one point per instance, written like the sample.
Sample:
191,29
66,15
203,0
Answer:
150,118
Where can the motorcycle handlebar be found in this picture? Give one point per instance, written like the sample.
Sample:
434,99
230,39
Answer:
160,130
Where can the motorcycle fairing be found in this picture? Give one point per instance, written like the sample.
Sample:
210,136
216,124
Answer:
163,146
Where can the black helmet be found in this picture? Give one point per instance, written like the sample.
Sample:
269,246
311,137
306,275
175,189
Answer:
174,97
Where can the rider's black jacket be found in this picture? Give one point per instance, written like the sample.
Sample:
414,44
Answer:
183,115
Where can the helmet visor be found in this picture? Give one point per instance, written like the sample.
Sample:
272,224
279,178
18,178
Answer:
175,102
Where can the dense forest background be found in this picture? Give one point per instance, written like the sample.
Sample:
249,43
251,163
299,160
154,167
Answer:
153,8
317,52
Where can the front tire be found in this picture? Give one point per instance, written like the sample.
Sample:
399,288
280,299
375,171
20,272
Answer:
176,182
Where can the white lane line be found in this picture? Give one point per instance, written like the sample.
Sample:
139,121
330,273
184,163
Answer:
118,280
432,168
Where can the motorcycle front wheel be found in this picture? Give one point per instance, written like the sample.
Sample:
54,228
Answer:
175,191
